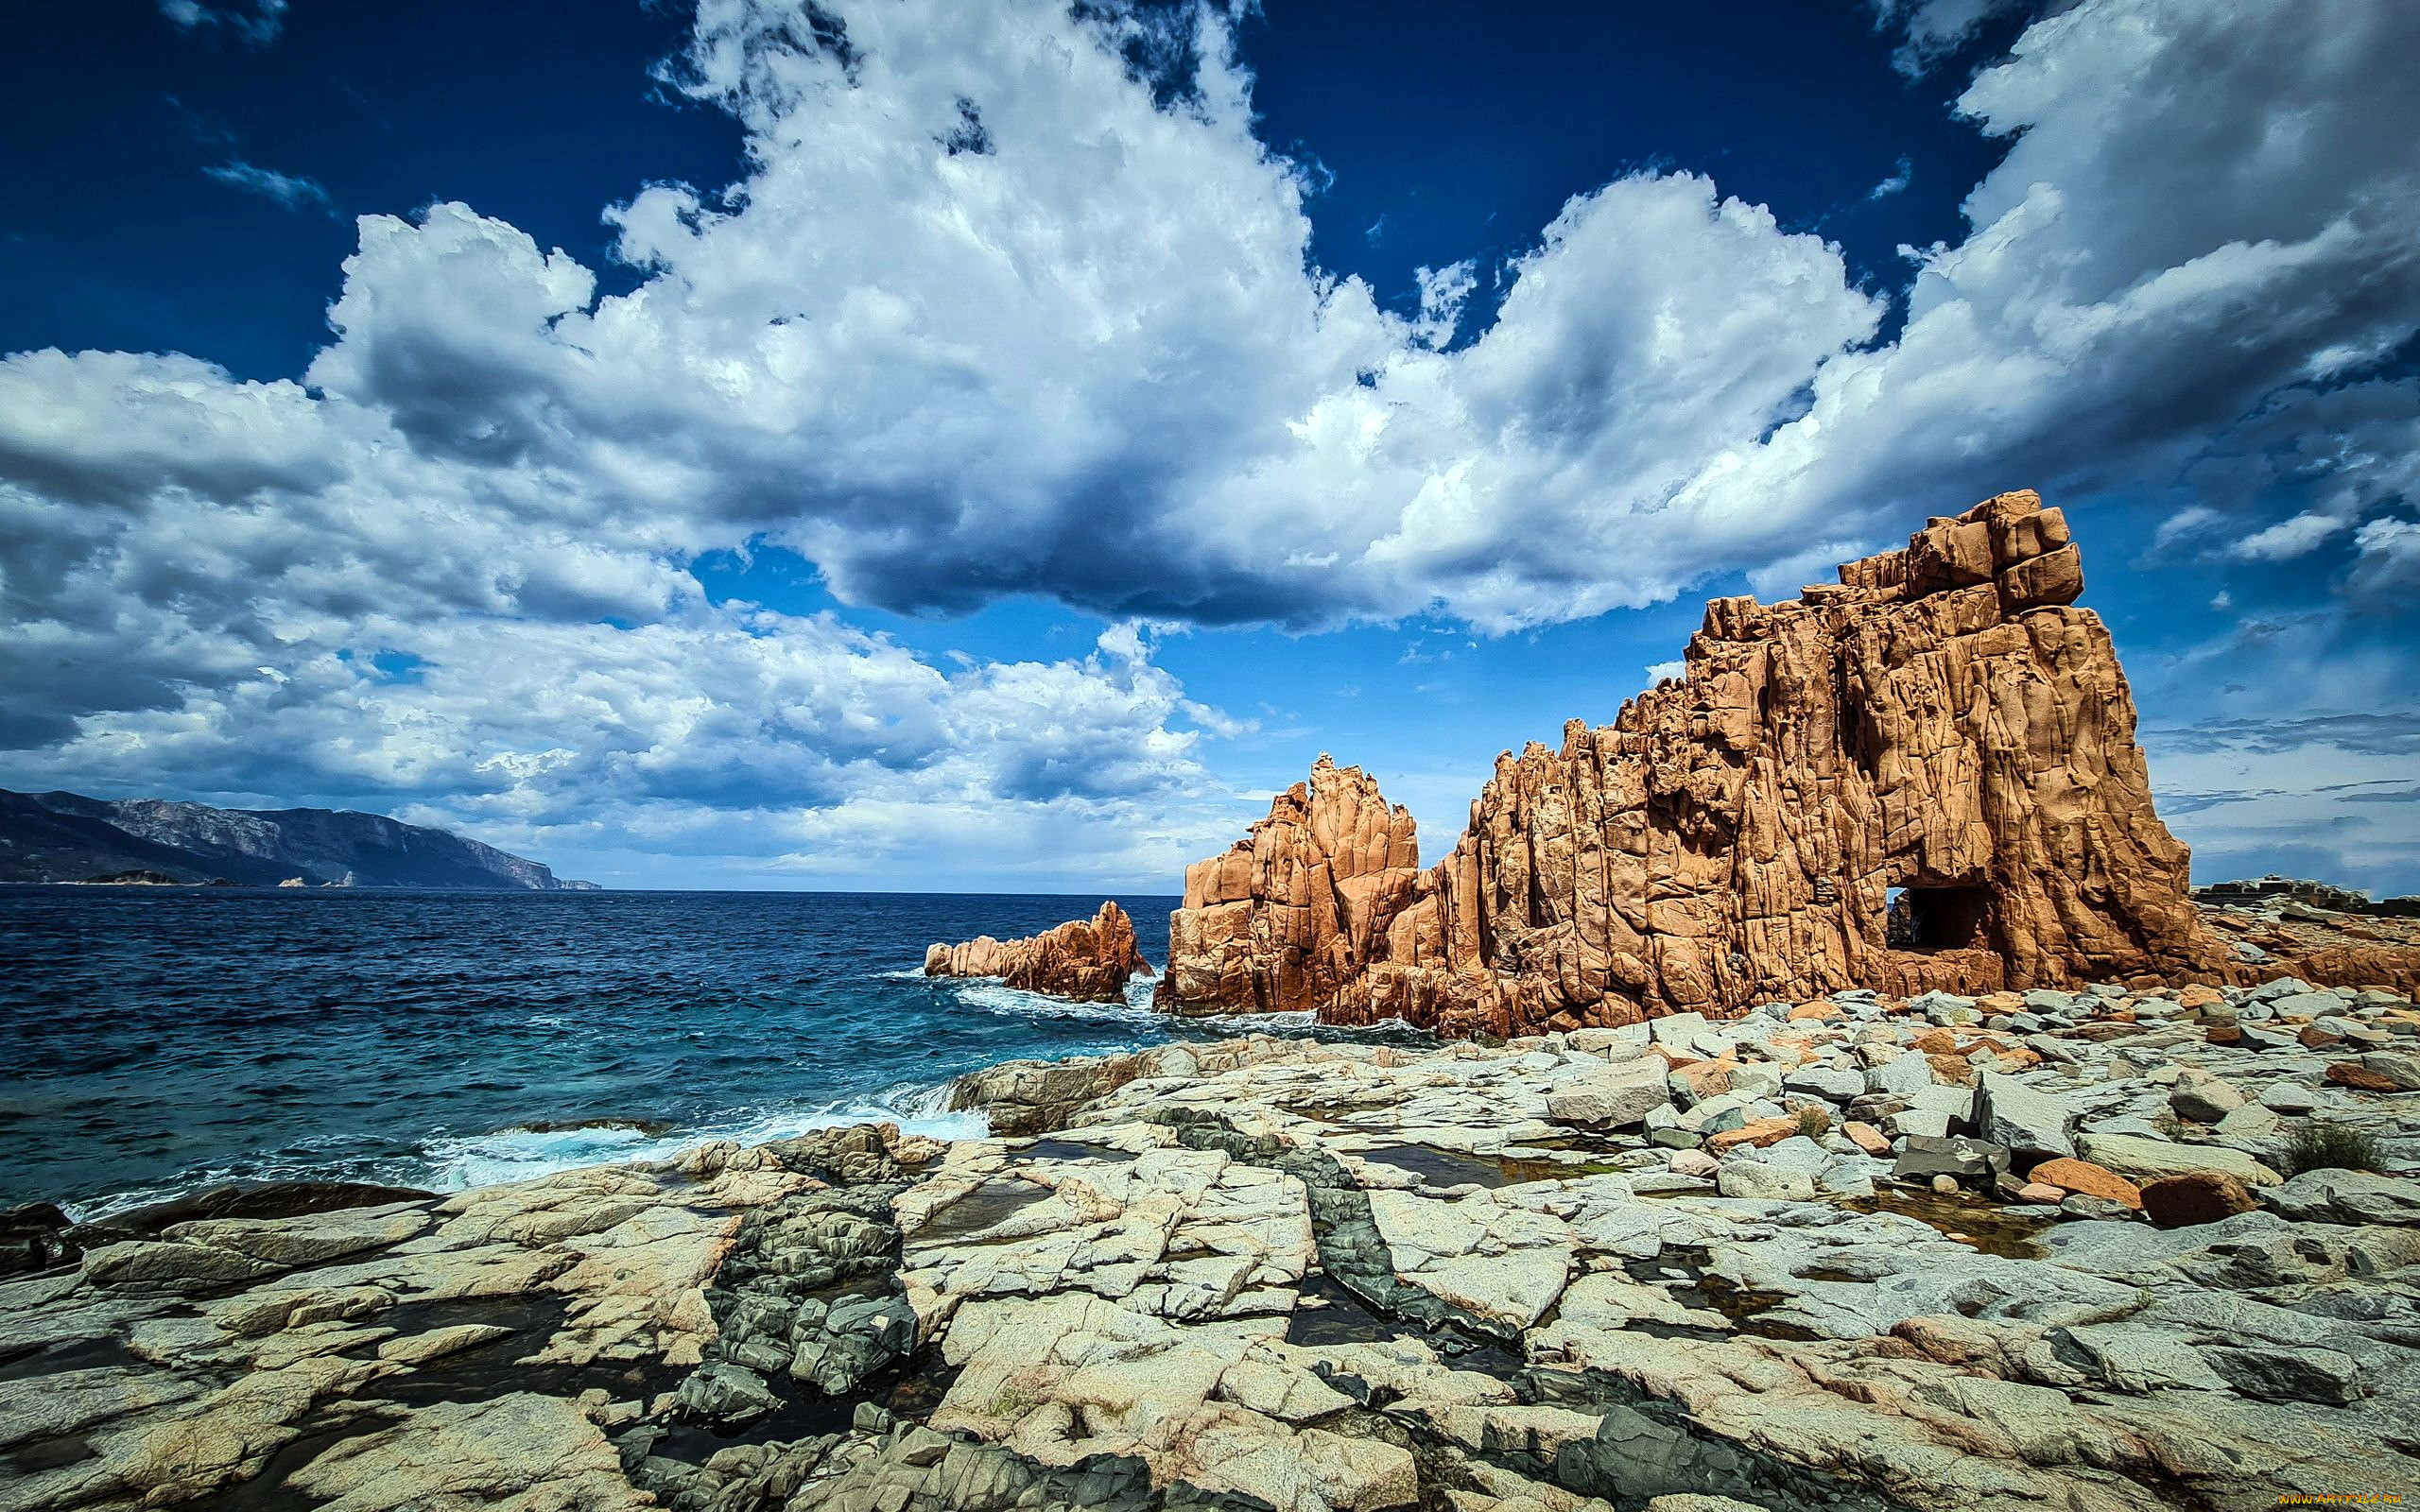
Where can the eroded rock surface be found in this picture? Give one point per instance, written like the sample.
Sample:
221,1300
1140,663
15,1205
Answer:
1291,913
1087,958
1942,720
1267,1273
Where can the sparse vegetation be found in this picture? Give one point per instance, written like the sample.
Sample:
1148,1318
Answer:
2316,1146
1814,1122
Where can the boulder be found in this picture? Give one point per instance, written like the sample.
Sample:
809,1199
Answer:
1617,1096
2008,1112
2201,1098
2082,1177
1626,1043
2148,1159
1678,1030
1899,1075
34,1237
1692,1163
2250,1122
1761,1132
1866,1136
1744,1177
1821,1081
2399,1071
2195,1198
1923,1159
2304,1373
2358,1077
2288,1097
2084,1205
145,1267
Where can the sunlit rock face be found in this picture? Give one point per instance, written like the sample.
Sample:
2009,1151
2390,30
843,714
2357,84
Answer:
1292,912
1087,958
1940,737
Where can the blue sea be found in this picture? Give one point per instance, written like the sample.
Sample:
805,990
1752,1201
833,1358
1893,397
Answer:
159,1040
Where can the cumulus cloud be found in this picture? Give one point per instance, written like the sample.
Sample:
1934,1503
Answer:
1012,301
2089,335
1090,361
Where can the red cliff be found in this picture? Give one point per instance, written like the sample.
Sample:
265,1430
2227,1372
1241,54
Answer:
1942,721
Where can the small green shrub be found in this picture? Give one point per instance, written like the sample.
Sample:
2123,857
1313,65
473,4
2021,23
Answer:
2316,1146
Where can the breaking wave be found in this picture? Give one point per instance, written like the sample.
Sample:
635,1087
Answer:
520,1154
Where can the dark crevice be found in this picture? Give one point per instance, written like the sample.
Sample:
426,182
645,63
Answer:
267,1489
1351,1249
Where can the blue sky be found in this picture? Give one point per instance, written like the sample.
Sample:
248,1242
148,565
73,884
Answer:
905,445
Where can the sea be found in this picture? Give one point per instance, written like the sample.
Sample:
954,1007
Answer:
161,1039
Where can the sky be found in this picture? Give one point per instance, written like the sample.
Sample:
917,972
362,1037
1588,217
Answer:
915,445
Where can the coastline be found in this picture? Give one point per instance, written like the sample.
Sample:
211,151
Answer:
1565,1272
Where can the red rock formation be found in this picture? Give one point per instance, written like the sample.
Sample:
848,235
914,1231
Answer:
1286,917
1942,720
1087,958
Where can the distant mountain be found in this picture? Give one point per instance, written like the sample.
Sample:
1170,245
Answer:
67,837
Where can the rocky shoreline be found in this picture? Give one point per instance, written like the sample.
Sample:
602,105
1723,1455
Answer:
1652,1265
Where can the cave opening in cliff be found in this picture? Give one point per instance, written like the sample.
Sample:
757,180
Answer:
1935,919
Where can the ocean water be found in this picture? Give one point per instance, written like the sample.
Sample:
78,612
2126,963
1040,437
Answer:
157,1039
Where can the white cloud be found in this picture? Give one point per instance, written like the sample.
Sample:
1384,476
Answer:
1088,362
2390,558
1935,29
731,732
255,25
1443,291
2289,539
287,189
1897,183
1658,671
2092,334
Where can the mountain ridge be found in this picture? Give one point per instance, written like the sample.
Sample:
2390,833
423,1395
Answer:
67,837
